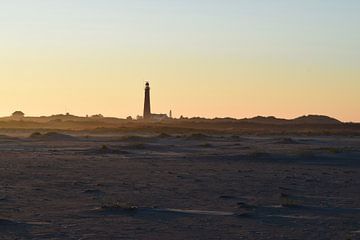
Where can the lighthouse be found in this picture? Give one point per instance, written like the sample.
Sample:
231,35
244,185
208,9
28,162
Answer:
147,108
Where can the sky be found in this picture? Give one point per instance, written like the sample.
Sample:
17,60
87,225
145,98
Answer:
209,58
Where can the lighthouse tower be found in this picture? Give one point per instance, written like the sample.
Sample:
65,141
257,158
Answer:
147,108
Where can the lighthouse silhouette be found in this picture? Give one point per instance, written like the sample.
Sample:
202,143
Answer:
147,108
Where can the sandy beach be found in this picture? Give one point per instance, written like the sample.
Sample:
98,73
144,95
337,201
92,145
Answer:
197,186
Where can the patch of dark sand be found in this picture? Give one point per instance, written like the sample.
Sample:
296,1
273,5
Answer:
303,217
134,210
285,196
246,206
236,137
4,198
325,210
197,137
104,149
194,212
154,148
137,146
163,135
244,211
12,227
257,154
52,136
137,139
144,139
5,138
94,192
227,197
286,141
206,145
305,212
336,150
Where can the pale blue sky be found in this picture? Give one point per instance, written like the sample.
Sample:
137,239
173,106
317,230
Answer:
308,24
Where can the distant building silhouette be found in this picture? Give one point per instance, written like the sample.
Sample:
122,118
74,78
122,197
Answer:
18,115
158,117
97,116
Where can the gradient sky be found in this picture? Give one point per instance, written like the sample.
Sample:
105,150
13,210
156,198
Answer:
237,58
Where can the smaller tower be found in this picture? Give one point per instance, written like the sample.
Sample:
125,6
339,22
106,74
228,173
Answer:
170,114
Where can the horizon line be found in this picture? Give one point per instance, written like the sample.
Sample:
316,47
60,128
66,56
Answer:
182,117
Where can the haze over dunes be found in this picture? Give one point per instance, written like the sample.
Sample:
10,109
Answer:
97,124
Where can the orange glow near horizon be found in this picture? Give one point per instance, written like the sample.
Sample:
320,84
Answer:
195,87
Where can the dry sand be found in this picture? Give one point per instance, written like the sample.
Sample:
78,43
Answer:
179,187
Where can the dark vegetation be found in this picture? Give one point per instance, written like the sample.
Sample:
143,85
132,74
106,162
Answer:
194,127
